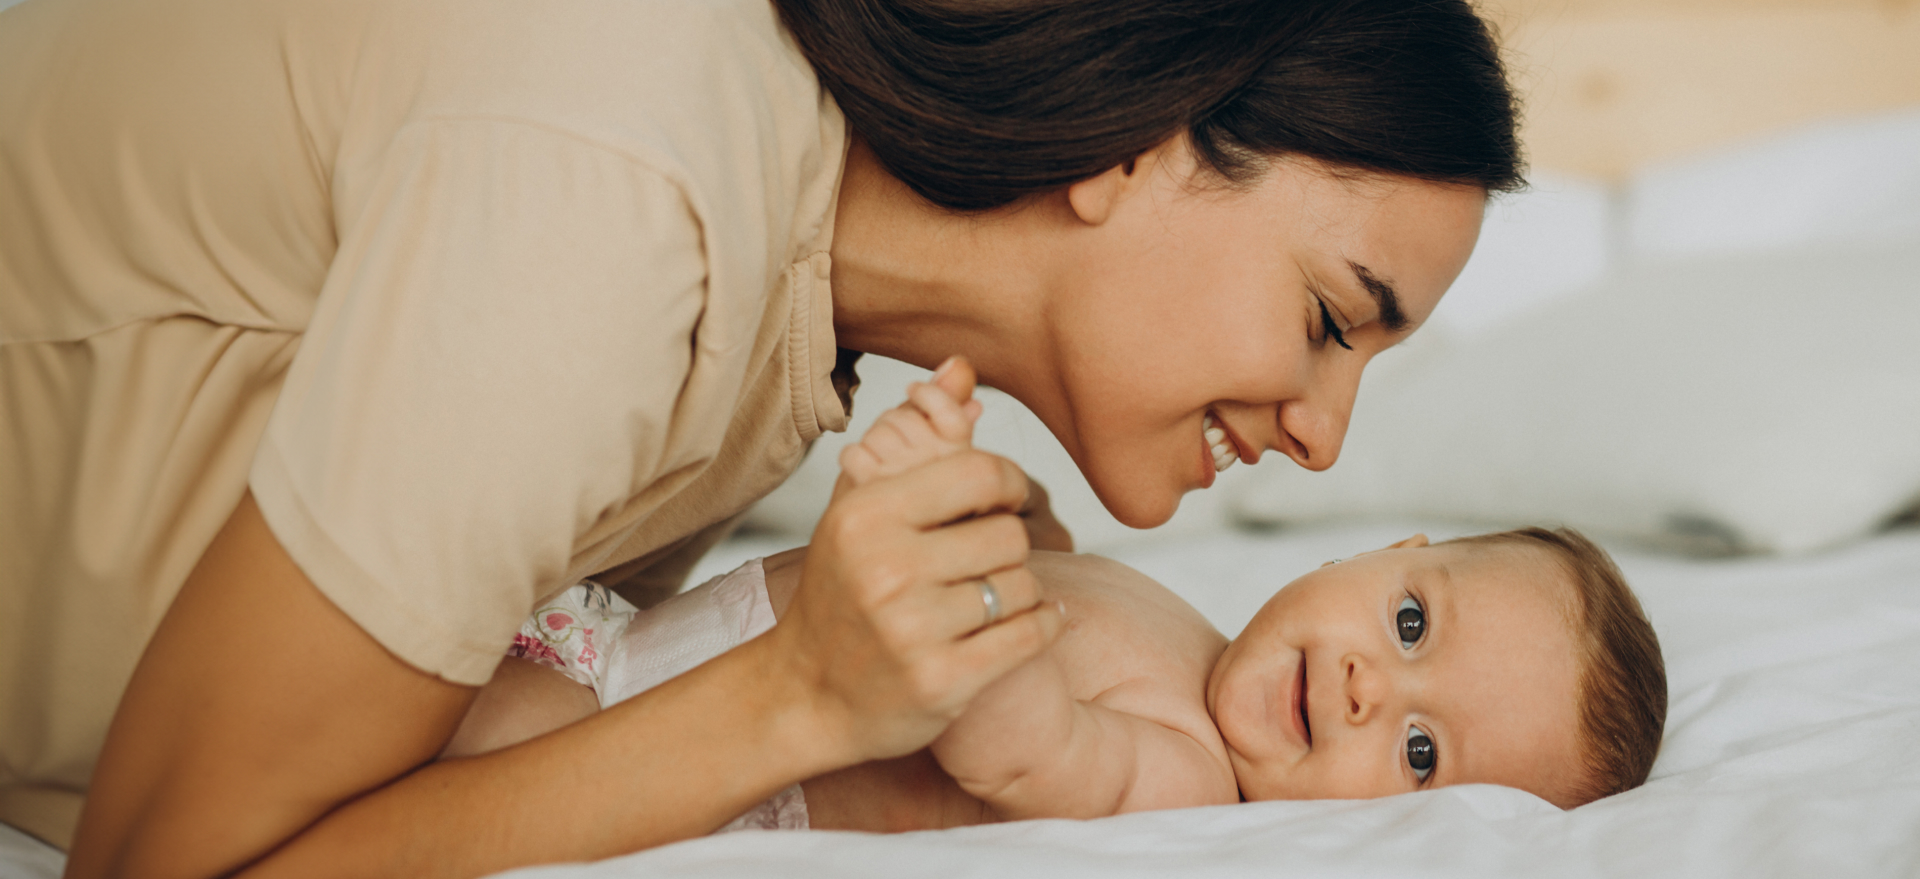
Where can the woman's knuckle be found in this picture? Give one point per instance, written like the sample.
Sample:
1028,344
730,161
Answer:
1009,529
888,576
927,686
854,520
980,468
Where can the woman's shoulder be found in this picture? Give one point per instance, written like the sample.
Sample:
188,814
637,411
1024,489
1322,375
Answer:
710,95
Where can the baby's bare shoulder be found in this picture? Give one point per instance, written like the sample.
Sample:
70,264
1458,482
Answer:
1130,643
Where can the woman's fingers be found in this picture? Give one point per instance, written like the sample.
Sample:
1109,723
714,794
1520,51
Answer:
961,608
988,654
974,548
965,483
888,624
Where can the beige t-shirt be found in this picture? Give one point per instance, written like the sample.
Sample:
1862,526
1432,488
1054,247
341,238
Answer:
477,296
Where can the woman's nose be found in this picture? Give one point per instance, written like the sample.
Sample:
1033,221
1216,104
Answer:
1314,426
1366,688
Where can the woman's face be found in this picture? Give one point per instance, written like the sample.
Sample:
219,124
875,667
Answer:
1193,299
1404,669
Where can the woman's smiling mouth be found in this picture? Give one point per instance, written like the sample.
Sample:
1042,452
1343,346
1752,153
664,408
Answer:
1220,448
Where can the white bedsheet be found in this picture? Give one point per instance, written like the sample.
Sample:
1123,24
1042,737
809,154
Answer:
1793,749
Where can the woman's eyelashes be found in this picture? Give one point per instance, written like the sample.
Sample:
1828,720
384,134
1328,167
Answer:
1421,755
1330,329
1410,622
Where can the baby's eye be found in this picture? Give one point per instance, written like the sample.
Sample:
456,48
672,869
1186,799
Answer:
1410,621
1419,752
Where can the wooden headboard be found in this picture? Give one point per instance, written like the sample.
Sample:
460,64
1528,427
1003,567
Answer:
1610,85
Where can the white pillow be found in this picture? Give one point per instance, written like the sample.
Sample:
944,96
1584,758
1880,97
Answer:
1535,246
1006,428
1768,403
1850,182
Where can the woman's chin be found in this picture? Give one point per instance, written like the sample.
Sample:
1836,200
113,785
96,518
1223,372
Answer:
1137,507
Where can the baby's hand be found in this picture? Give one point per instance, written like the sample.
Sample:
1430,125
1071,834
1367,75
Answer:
936,421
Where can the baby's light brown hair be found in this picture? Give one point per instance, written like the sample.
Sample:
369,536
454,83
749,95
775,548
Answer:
1623,680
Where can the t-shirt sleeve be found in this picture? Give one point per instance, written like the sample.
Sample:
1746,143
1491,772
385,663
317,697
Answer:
492,367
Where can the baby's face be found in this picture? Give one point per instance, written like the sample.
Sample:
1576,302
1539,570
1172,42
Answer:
1417,666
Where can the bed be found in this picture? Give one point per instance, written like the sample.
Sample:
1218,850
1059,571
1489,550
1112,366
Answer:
1793,749
1760,518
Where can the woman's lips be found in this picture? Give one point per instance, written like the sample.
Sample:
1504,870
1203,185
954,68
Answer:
1242,453
1207,470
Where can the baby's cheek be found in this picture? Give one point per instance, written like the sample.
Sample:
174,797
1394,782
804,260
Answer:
1348,776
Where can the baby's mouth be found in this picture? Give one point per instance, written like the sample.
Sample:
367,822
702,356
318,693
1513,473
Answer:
1306,725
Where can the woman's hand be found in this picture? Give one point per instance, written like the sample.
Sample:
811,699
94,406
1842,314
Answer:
1043,530
890,625
886,627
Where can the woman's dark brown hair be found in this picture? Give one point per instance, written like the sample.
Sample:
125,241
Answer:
976,104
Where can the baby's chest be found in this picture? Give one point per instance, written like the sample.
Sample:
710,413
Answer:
1156,669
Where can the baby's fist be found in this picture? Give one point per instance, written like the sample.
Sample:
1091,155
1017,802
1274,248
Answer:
937,420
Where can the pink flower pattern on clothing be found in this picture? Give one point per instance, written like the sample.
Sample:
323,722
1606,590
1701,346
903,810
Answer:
573,633
587,654
593,636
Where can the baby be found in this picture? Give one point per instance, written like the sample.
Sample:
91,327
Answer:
1519,658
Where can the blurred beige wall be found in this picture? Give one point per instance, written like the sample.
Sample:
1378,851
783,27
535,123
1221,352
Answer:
1613,84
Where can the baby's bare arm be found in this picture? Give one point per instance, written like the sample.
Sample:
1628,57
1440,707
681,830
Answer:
1030,750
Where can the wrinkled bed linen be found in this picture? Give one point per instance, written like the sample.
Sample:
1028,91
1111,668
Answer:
1793,749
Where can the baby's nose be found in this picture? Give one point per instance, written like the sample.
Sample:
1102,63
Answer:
1366,688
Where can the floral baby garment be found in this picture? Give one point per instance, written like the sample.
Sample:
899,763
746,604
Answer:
575,632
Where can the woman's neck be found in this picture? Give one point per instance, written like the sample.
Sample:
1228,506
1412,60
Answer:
917,283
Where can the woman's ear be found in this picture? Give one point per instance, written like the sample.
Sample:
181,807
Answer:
1094,199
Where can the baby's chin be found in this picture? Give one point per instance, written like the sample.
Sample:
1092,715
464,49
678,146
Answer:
1259,787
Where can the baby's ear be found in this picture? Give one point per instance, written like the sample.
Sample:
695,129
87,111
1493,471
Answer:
1414,542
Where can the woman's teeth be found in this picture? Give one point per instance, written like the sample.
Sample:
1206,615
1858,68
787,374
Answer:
1224,453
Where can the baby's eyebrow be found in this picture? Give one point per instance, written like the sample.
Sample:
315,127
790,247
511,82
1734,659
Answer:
1383,294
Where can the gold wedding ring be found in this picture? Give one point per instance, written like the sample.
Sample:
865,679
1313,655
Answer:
990,597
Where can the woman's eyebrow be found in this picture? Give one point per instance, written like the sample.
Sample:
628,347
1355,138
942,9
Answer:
1383,294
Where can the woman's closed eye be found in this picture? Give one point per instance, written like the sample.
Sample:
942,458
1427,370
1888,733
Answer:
1421,755
1329,329
1410,622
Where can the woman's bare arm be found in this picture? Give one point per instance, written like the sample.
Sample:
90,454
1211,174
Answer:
524,700
259,709
265,734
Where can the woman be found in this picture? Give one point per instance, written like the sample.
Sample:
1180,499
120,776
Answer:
333,335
